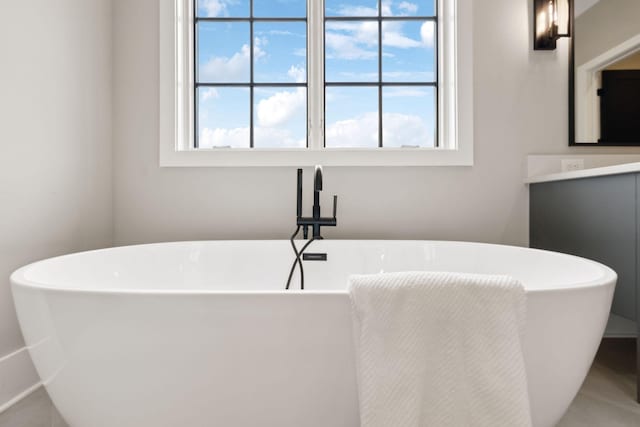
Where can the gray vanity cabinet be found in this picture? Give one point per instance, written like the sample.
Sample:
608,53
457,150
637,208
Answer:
596,218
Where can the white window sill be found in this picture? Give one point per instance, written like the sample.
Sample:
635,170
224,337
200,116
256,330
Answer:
307,157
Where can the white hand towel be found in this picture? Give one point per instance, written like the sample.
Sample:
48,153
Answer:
440,349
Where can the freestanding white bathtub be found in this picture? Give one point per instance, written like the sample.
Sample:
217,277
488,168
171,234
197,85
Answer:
201,334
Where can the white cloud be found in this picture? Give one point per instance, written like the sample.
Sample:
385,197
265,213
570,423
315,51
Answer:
239,138
358,40
386,8
348,40
404,8
405,129
427,34
272,112
214,8
407,7
422,76
392,36
348,10
279,108
277,138
258,44
365,32
210,93
225,69
344,46
234,68
358,132
285,33
219,137
298,74
362,131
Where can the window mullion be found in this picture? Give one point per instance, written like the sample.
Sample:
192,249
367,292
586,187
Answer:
315,74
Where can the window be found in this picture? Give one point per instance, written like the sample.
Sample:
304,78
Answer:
299,82
250,74
380,68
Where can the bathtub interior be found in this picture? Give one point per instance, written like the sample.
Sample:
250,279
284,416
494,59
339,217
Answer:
263,266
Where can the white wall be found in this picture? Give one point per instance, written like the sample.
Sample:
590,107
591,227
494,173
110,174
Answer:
581,6
55,142
520,108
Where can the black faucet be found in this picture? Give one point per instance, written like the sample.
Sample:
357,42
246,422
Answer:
316,221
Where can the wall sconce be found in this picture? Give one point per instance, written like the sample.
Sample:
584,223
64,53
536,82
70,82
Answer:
552,20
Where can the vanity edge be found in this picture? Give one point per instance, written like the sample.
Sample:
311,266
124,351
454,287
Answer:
585,173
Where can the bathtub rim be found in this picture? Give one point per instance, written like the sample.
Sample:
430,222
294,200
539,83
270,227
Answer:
17,278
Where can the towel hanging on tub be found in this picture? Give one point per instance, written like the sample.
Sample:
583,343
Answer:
440,349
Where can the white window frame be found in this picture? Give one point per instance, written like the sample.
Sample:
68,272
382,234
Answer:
455,102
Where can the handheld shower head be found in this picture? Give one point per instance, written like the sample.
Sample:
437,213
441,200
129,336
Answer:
317,181
299,195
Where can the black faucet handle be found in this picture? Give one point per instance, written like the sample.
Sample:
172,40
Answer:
299,194
335,205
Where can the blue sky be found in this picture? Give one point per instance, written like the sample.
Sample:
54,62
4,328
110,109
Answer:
351,56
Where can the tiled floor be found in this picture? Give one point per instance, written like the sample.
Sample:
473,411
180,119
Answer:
607,397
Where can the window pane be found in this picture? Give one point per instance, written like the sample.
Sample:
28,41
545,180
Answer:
351,7
280,8
280,52
280,117
223,8
408,51
408,116
351,51
351,117
223,52
408,8
223,117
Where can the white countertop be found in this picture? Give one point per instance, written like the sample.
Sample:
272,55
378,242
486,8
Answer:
586,173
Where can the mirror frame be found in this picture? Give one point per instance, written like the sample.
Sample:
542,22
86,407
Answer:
572,100
572,89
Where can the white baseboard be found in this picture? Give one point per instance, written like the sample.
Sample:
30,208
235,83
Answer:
18,378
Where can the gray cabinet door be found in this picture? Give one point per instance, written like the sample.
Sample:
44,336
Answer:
594,218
